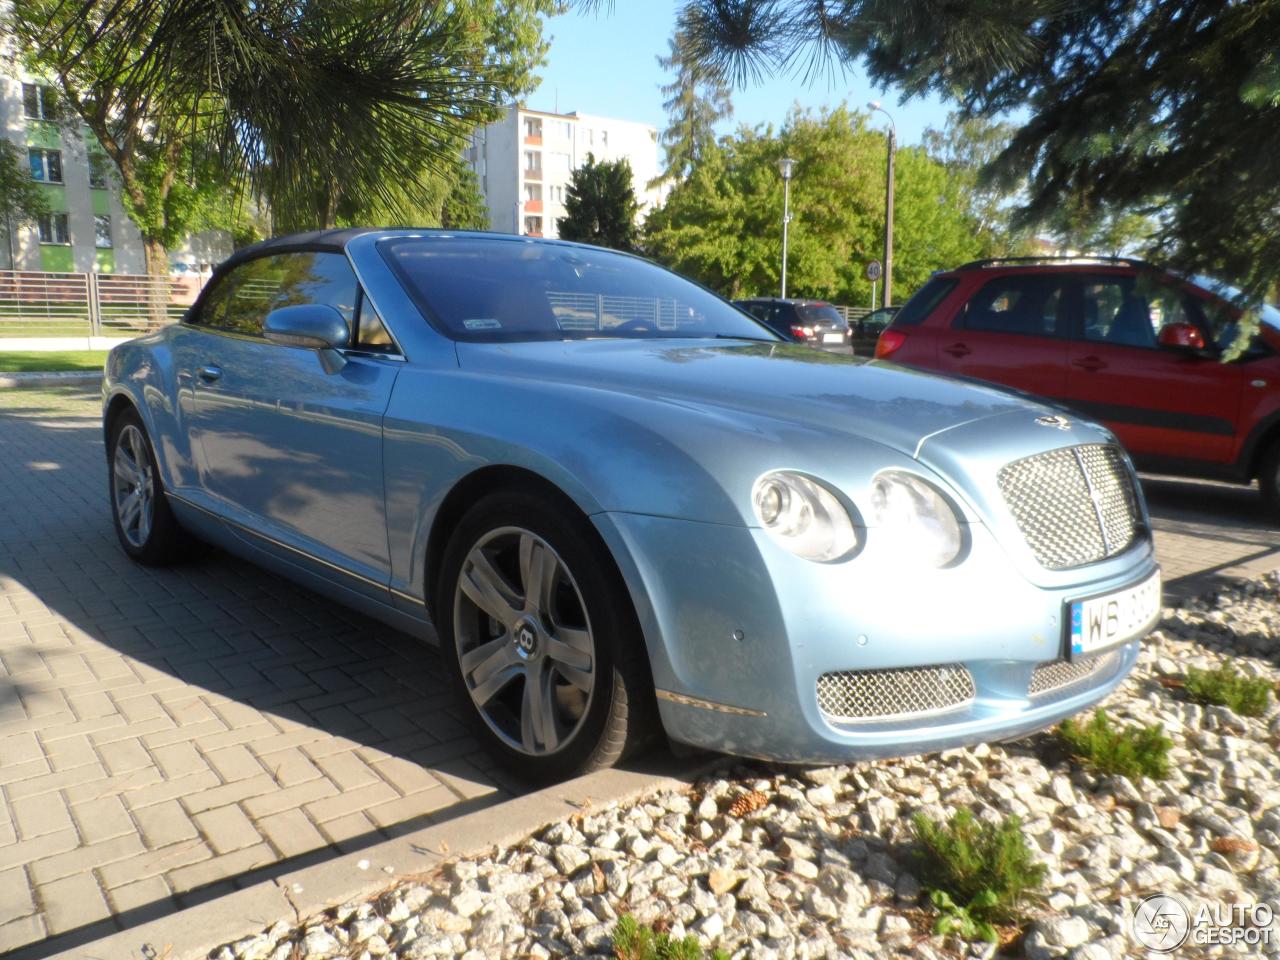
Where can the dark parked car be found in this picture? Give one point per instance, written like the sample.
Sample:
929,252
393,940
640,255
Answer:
865,333
814,322
1119,340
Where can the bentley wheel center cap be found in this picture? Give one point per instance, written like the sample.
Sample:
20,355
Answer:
525,636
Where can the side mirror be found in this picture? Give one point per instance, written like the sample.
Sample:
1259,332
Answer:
1180,336
316,326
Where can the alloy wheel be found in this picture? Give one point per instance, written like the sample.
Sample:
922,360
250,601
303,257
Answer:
133,486
524,641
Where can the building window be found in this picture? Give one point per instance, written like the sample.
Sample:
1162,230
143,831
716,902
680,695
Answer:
532,127
53,228
533,191
557,194
559,163
566,130
97,170
533,226
38,102
604,138
46,165
102,233
532,161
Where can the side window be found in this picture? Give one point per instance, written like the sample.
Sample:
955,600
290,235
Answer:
246,295
1024,305
371,332
1115,310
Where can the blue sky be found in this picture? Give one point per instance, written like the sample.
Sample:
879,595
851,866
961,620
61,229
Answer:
607,65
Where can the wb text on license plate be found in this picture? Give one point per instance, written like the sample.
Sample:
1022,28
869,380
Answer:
1102,622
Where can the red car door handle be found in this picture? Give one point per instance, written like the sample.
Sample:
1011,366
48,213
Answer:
1090,363
957,350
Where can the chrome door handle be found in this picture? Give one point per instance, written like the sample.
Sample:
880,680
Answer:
210,372
1092,364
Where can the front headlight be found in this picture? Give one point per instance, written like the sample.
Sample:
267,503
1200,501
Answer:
803,516
914,521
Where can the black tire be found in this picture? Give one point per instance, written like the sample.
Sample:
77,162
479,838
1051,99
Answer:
1269,479
162,541
620,713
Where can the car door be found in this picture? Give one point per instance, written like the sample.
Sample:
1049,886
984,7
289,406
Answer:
288,450
1159,401
1011,332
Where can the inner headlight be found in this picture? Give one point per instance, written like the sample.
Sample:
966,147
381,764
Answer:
803,516
913,520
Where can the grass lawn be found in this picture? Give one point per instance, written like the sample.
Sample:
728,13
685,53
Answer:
31,360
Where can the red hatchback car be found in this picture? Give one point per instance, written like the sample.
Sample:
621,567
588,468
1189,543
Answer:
1119,341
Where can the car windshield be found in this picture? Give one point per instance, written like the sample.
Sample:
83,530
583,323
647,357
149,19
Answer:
1223,325
486,289
819,313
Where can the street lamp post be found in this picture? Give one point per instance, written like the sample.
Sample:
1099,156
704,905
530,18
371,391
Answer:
785,166
874,105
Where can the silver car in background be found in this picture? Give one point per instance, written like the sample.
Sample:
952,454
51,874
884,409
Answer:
620,504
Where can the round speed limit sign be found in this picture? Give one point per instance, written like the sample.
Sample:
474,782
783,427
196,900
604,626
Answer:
873,270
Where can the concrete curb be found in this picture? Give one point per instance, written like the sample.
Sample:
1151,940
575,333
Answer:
296,895
62,378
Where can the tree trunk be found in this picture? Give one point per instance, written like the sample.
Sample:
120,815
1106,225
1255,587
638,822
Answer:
157,257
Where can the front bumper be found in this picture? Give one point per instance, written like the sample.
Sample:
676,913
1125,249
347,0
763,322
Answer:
739,632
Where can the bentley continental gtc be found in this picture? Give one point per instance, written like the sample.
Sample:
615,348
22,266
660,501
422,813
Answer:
621,506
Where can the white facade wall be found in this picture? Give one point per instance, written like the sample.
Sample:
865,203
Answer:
525,160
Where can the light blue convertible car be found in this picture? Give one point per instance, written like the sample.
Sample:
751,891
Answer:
617,501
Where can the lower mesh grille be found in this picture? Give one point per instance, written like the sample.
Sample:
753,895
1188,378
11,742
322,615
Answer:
890,694
1057,676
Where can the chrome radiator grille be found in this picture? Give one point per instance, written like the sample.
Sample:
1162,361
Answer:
862,695
1059,676
1074,506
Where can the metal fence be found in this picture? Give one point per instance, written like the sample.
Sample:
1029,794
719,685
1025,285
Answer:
37,304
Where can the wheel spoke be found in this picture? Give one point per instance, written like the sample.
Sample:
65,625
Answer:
570,656
125,470
488,589
538,567
537,713
480,661
144,517
130,507
495,682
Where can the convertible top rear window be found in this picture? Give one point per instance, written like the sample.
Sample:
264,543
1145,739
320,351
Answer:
509,290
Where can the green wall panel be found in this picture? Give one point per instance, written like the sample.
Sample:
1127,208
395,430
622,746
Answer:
101,202
57,258
41,134
104,261
56,195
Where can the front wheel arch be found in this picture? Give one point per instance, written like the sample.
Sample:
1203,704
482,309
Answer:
470,489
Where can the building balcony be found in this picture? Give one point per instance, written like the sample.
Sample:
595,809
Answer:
533,141
533,174
533,206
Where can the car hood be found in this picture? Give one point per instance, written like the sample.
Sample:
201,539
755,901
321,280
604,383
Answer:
892,405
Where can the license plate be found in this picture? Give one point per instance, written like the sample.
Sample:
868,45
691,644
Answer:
833,338
1113,618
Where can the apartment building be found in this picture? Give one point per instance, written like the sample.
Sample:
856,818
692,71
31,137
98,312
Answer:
524,162
86,229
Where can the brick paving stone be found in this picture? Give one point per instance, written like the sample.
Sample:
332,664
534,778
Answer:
102,819
72,902
15,895
37,816
164,823
227,829
84,858
291,832
223,867
19,933
154,863
142,900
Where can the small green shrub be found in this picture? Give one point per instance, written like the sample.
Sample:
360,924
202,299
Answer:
987,867
1228,687
963,922
1129,751
635,941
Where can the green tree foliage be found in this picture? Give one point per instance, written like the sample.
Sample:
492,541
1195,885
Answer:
464,207
723,224
695,102
21,198
313,107
600,205
1129,104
